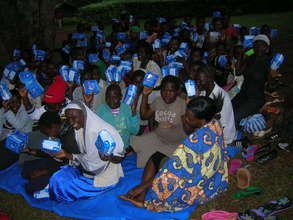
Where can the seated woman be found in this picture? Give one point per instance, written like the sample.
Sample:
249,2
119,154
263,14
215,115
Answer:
166,110
197,170
89,172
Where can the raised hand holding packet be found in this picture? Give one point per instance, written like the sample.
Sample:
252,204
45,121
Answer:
277,60
190,86
5,93
150,79
91,87
130,94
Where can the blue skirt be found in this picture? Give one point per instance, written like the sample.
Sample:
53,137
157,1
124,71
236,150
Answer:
68,184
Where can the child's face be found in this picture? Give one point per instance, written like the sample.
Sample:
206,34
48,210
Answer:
96,75
174,45
196,56
54,131
113,99
14,104
221,50
202,82
169,93
218,26
193,72
138,82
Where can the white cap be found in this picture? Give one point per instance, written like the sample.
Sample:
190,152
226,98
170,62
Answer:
262,37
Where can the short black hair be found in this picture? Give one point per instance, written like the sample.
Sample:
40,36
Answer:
113,87
207,70
171,79
146,46
48,119
137,73
203,107
14,92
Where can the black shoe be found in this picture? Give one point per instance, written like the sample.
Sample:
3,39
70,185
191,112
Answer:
267,157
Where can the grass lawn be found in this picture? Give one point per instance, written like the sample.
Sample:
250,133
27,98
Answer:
275,177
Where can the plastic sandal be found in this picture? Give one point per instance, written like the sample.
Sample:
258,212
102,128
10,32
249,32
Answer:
267,157
252,216
264,149
273,207
219,215
248,154
284,146
235,164
247,192
243,178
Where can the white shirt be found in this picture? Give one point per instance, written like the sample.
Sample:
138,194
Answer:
227,114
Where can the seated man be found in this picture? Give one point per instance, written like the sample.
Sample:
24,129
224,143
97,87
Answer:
208,87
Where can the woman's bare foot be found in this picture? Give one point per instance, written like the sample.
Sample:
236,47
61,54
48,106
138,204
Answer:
136,191
136,203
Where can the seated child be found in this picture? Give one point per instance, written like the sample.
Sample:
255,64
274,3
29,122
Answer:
38,166
137,79
120,115
92,101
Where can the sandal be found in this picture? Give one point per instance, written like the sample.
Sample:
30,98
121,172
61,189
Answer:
247,192
273,207
234,166
252,216
248,153
284,146
267,157
219,215
243,178
264,149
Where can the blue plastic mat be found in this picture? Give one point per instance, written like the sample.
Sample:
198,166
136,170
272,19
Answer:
107,206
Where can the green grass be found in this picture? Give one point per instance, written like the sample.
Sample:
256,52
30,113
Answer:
111,2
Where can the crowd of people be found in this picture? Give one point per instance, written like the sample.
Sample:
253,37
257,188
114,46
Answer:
182,141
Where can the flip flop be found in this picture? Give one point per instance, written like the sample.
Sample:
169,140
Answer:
248,154
234,166
284,146
267,157
247,192
219,215
252,216
243,178
264,149
273,207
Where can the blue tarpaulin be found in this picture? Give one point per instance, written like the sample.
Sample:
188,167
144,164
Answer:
106,206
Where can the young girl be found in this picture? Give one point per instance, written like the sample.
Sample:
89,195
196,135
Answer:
121,116
144,61
137,79
92,101
167,110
